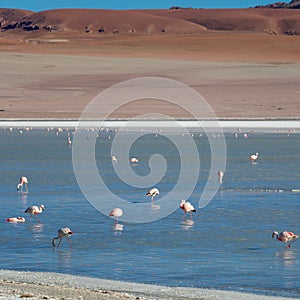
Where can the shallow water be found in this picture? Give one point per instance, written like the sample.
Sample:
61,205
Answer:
227,246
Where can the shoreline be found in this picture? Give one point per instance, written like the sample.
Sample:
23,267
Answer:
227,125
47,285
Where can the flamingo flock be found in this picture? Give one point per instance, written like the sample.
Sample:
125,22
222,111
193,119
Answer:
286,237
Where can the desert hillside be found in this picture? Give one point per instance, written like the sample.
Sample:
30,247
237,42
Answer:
167,21
254,34
245,62
93,21
264,20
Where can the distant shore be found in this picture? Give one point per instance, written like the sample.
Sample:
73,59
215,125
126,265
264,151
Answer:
39,285
235,126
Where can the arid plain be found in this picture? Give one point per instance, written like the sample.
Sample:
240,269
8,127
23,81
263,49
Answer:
244,62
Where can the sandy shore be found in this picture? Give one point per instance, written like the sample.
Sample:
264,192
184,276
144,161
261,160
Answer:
34,285
61,86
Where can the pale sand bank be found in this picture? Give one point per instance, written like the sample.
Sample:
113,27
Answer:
37,285
288,126
60,86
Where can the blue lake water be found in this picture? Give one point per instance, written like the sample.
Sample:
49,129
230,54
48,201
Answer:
228,245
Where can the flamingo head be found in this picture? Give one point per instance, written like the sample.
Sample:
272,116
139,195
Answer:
275,233
182,202
156,191
42,206
23,179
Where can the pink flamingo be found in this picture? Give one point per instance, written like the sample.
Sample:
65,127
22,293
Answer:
117,213
220,174
253,157
23,181
15,220
134,160
63,233
287,237
153,192
34,211
187,207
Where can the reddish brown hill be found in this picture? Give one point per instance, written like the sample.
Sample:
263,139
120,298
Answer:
173,21
294,4
97,20
9,16
255,20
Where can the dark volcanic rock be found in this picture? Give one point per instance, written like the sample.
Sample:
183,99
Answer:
293,4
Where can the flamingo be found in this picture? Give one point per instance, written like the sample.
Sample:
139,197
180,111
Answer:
23,181
63,232
153,192
287,237
34,210
134,160
187,207
117,213
220,174
114,158
69,139
253,157
15,220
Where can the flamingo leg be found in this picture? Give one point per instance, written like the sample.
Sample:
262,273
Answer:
290,244
59,242
37,218
191,215
152,200
53,242
70,243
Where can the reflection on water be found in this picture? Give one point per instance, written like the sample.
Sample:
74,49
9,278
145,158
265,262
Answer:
37,230
155,206
187,224
23,198
64,259
118,227
220,193
36,227
287,257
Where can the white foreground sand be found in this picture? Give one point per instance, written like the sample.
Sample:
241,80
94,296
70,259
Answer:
34,285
